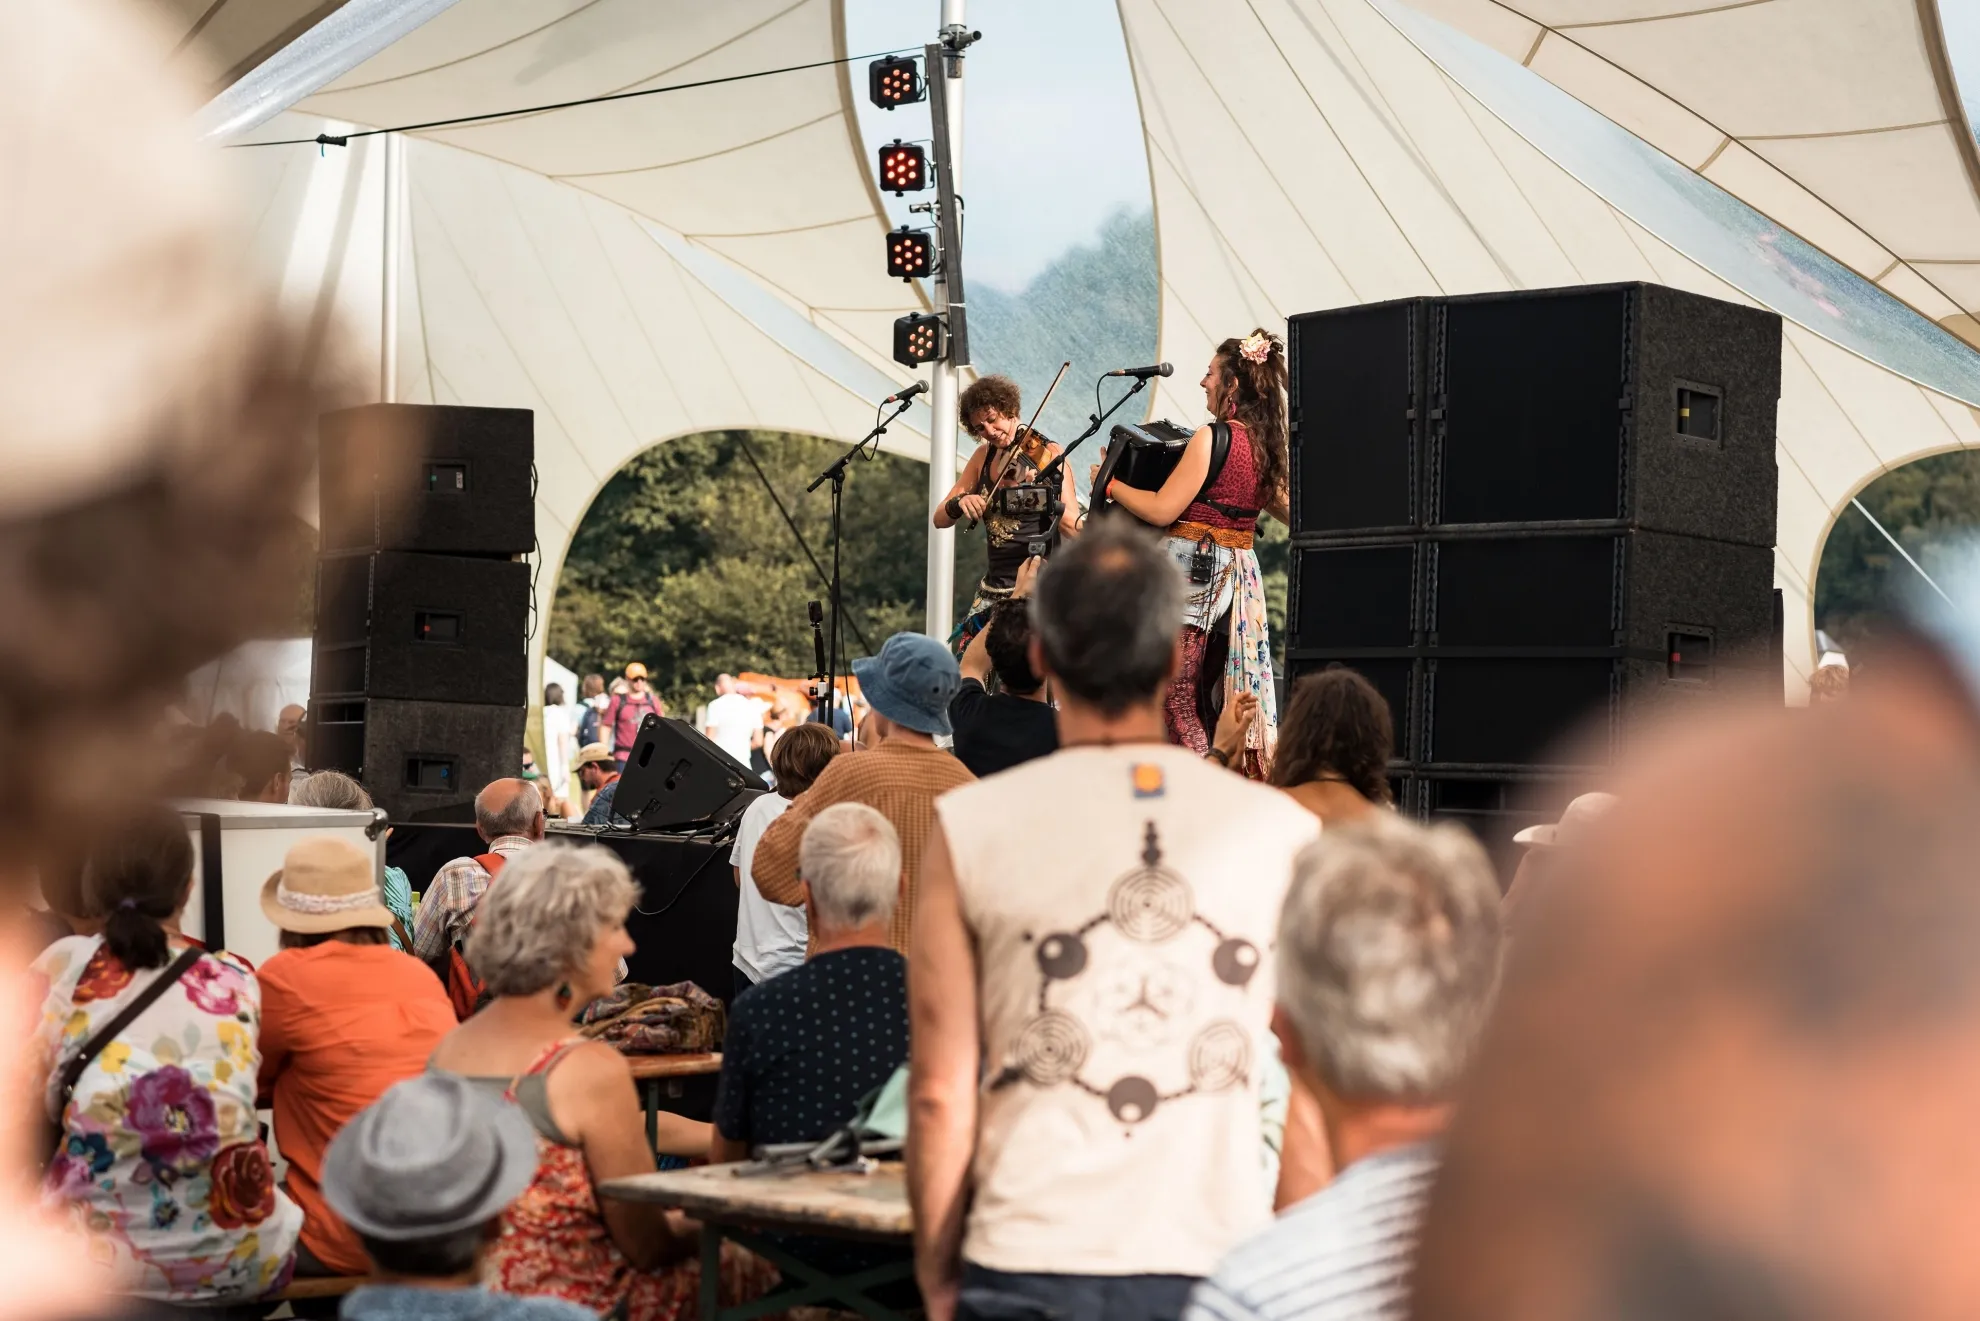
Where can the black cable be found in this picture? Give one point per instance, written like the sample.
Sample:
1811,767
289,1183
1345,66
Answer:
341,139
803,545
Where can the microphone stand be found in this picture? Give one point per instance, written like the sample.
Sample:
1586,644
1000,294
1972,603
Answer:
1049,476
835,472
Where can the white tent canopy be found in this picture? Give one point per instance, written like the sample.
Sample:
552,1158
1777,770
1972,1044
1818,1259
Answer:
1345,166
653,267
1838,118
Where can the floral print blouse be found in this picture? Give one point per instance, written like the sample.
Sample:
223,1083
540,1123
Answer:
161,1164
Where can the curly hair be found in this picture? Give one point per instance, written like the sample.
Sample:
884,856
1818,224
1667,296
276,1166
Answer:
997,392
1255,394
1336,724
541,922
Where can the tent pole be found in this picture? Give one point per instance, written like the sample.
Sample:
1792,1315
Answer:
388,330
941,580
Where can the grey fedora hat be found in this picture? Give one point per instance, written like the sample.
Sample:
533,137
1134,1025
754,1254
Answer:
434,1155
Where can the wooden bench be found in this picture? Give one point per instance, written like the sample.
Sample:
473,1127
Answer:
319,1286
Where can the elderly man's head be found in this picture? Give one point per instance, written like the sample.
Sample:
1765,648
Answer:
289,725
850,863
509,807
1388,958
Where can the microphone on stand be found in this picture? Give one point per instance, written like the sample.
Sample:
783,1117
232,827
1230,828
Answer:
1143,373
921,387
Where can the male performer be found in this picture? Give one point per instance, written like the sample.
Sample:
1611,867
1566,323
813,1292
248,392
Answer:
1010,455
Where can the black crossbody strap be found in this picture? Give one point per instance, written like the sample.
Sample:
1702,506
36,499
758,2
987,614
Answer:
1220,452
72,1071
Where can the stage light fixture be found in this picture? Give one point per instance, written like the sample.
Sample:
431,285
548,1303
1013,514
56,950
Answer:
894,80
910,253
903,168
918,338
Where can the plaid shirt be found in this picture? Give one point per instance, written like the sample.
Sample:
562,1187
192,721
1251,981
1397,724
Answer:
450,898
899,780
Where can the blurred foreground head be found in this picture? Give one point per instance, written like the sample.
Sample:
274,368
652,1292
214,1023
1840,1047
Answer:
1737,1058
154,413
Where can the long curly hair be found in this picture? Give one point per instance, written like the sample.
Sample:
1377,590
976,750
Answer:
1254,393
1336,725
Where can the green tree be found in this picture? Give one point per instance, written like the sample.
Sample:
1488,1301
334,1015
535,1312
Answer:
1930,506
684,562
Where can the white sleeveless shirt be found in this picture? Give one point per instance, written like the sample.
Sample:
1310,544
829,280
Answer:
1123,902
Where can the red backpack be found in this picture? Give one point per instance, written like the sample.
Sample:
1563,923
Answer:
465,989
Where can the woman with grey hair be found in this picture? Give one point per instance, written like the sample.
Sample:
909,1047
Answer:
337,790
547,938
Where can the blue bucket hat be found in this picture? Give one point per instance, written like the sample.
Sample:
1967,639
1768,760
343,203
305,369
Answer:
911,682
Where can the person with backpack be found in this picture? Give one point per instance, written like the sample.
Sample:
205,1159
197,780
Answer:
508,814
625,711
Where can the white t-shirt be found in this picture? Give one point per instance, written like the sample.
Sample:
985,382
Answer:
734,719
1125,988
770,938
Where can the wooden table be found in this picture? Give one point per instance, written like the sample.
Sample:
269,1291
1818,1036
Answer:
650,1073
835,1203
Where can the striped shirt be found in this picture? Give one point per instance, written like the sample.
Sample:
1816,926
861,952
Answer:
1343,1254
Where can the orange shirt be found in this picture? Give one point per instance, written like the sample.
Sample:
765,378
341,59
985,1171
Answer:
339,1024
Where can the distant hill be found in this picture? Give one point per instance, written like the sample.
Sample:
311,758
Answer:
1096,305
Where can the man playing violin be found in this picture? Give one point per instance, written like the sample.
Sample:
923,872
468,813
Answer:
1009,456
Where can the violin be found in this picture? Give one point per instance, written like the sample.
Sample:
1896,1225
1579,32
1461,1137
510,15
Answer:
1028,442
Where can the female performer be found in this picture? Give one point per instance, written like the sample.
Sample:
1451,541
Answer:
1010,454
1209,531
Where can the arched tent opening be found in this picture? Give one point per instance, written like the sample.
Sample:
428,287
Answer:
1930,508
700,554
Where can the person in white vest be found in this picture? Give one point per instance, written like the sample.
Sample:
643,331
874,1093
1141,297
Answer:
1110,964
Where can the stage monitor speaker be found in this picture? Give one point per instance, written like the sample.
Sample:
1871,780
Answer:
677,776
415,758
1492,648
430,627
1632,404
428,477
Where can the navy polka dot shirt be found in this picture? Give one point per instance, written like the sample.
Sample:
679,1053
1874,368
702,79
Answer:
806,1045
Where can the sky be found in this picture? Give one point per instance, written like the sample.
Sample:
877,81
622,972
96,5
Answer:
1960,20
1052,140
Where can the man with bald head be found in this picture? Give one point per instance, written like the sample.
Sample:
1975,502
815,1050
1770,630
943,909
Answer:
509,816
289,727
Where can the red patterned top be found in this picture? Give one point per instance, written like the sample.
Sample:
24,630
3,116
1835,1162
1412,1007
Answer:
555,1243
1236,487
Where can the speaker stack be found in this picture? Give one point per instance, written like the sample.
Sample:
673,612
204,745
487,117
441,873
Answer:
419,680
1528,519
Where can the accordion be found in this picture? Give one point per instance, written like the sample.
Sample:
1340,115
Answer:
1141,456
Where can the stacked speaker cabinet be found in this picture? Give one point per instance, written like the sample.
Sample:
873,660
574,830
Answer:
419,679
1530,518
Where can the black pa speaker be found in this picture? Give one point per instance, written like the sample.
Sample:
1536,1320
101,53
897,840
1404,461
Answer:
1491,647
416,759
428,477
428,627
677,776
1632,404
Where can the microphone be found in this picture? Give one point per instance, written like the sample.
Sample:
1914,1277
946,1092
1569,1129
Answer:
1143,373
919,387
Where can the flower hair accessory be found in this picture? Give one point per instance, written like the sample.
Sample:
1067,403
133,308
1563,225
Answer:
1255,348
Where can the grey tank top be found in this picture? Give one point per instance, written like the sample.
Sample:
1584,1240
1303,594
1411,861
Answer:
532,1098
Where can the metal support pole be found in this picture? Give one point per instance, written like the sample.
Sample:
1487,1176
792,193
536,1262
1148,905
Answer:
941,582
388,330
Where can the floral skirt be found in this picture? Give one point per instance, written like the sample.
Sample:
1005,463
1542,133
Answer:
1234,598
978,615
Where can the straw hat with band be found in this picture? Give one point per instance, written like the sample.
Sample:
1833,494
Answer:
590,754
326,884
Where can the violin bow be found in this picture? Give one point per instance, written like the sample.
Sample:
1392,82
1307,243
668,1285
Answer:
1010,460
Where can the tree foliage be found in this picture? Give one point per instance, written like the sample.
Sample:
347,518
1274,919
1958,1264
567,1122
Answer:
1930,506
683,561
